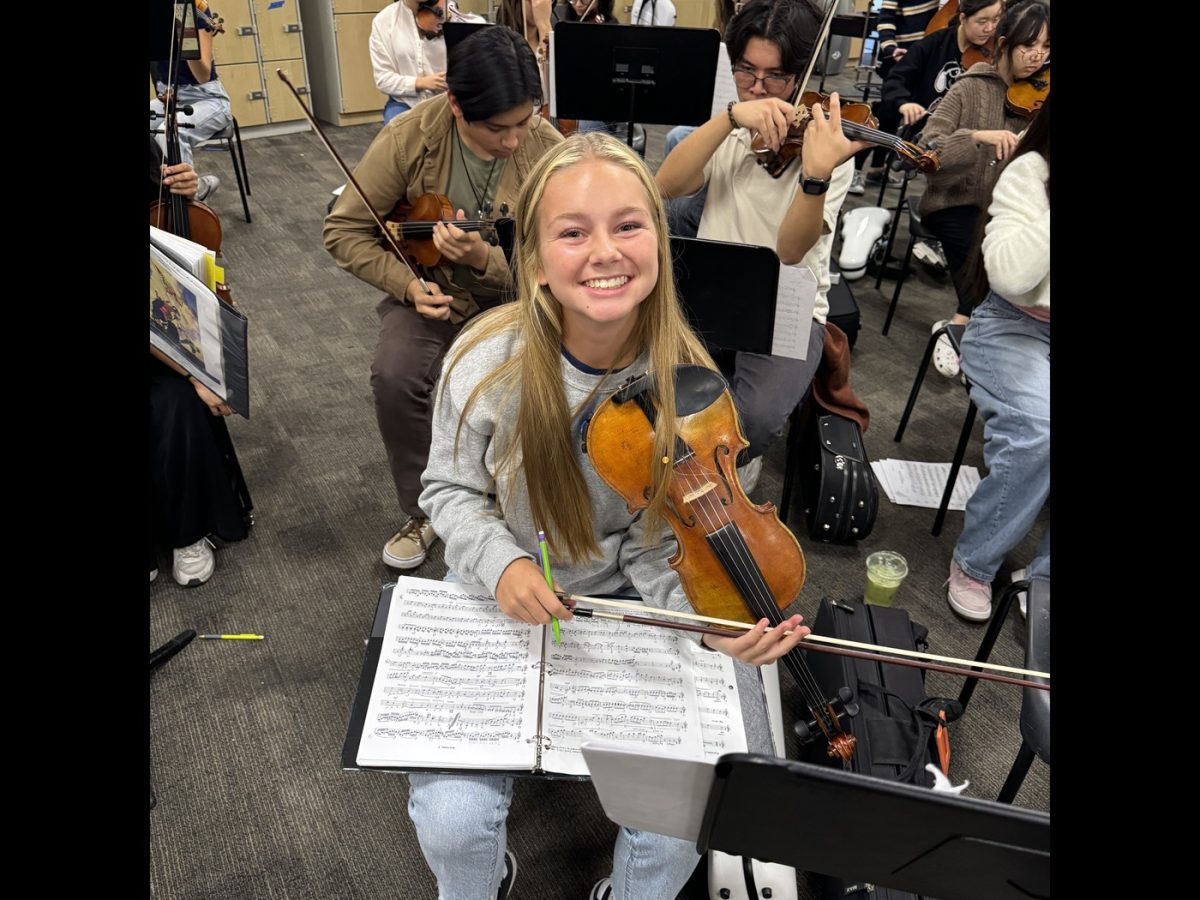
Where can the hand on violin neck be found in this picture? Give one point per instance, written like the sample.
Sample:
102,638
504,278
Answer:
769,117
761,646
435,305
522,594
181,179
463,247
825,147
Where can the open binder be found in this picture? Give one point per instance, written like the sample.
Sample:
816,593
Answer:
451,683
191,324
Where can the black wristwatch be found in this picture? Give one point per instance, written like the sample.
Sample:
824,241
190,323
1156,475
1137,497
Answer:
814,186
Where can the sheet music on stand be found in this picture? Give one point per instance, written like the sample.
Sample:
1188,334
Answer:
194,327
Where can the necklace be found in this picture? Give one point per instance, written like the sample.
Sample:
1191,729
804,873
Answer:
480,196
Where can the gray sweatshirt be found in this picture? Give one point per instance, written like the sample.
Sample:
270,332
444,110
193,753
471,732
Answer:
462,496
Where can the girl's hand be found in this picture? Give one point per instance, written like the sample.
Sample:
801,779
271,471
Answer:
522,594
911,113
825,146
215,404
1005,142
434,82
757,647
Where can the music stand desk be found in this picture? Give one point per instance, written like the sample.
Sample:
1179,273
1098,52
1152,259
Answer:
728,291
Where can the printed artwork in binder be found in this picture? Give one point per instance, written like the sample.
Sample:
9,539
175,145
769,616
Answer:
461,686
173,310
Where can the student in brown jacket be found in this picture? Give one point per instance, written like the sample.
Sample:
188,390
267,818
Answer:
973,133
475,144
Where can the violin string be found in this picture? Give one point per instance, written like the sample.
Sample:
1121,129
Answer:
736,554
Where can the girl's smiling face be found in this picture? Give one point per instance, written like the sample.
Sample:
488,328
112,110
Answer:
598,247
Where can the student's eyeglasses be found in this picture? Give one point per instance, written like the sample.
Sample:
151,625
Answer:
745,78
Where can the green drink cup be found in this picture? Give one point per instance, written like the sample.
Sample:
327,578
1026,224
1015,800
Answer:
886,570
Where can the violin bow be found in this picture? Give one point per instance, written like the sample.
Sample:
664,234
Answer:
352,181
818,643
830,12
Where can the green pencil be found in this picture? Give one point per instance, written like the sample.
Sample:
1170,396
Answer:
544,553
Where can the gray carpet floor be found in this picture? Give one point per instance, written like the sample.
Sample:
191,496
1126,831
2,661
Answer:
246,736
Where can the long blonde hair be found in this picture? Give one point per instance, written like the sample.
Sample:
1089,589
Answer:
542,439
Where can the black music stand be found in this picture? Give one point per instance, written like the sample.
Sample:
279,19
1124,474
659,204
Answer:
159,658
728,291
661,76
852,826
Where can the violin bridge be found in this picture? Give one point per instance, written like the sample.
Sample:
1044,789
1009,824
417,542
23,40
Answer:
692,496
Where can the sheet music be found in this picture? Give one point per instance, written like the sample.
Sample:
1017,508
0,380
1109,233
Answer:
724,89
637,686
794,305
457,683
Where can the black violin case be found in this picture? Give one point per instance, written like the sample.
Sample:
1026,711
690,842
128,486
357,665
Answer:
837,486
896,721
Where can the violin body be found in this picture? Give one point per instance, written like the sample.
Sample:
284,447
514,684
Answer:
942,18
973,54
1026,96
203,225
429,208
707,503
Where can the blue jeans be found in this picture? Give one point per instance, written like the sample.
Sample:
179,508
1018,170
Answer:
211,114
393,108
1006,357
683,213
461,825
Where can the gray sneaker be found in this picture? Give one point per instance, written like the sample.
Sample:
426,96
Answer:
208,187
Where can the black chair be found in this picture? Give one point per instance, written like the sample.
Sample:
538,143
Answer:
1035,704
231,137
916,232
954,333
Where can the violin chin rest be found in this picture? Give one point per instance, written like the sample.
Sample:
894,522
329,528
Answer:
696,388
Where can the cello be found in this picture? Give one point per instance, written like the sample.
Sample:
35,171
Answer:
736,560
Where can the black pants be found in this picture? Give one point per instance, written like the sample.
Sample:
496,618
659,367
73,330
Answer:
191,487
955,228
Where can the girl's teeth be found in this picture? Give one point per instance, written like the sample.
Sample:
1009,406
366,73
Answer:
606,282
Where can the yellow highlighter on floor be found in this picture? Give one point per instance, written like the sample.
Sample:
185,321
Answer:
544,553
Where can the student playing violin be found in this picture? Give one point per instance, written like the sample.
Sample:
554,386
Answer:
475,144
596,303
770,44
973,131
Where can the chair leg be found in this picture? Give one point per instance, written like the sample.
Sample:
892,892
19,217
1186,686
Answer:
916,388
240,176
995,624
1016,775
959,452
237,133
893,228
904,269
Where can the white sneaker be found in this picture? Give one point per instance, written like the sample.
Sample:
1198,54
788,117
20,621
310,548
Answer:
856,185
194,564
601,890
153,575
207,187
1022,598
406,549
930,255
945,360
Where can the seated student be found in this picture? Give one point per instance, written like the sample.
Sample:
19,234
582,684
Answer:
409,67
475,144
973,132
196,85
191,495
596,303
770,43
1006,355
926,69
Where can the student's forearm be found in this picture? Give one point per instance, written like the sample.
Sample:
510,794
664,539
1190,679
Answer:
682,173
801,227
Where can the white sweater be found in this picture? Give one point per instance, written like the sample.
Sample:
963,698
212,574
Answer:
1016,245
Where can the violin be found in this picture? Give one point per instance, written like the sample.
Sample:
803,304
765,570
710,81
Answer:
942,18
1025,97
210,20
411,226
857,124
985,53
736,560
